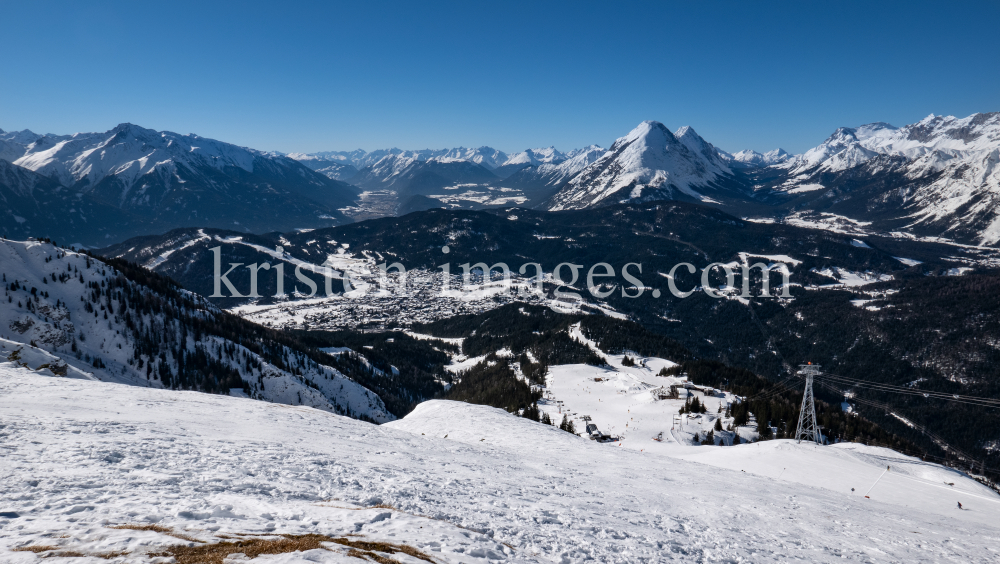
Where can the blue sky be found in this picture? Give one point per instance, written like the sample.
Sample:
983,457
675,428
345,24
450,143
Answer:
321,76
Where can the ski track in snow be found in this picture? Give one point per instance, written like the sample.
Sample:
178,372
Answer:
81,456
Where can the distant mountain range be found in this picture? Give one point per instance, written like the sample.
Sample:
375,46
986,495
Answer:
935,178
489,158
94,188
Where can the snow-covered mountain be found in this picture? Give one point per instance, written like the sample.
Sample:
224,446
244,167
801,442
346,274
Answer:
23,137
13,144
32,205
547,175
939,176
83,317
535,157
530,157
488,157
410,175
648,163
750,157
169,179
846,148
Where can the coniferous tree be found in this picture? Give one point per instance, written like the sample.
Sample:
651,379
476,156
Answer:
763,429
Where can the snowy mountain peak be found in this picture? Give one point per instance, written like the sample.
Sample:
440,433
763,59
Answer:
696,144
649,132
587,149
650,162
536,157
23,137
776,155
132,130
685,131
753,158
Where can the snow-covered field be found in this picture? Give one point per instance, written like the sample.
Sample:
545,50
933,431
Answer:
451,482
626,402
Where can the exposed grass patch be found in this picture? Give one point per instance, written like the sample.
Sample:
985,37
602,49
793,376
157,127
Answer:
144,527
158,529
215,553
366,555
368,549
112,554
36,548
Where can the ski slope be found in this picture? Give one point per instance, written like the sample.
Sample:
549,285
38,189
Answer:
624,401
908,482
457,482
618,400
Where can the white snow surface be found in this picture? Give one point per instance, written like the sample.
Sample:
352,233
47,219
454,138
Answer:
459,482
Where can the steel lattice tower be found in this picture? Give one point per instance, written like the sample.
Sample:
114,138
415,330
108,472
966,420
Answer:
808,428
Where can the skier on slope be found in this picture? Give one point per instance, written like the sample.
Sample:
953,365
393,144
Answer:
960,505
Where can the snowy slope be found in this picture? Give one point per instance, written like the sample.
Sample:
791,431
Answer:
60,301
909,481
622,402
88,456
626,402
648,163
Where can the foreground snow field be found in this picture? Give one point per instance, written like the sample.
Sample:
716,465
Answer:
451,482
622,401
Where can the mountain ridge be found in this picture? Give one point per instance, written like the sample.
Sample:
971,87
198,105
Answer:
165,180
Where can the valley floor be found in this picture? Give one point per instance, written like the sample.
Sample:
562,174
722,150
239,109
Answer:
451,482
